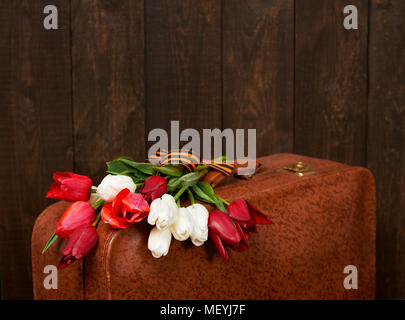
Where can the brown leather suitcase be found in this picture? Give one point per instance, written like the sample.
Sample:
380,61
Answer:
324,219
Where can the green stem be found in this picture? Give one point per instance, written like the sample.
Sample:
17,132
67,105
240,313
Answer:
50,242
223,200
98,203
179,193
95,223
98,211
191,196
178,203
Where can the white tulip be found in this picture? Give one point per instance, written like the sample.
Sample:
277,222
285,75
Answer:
183,226
159,242
199,218
163,212
113,184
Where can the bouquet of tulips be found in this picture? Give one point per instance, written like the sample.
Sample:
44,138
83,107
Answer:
132,192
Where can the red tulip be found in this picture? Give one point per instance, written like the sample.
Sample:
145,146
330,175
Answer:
79,213
246,216
126,209
82,241
153,187
69,186
222,230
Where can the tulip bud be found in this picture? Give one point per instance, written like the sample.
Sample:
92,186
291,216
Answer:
163,212
199,217
82,241
242,211
182,227
79,213
113,184
69,186
246,217
159,242
220,223
222,230
153,187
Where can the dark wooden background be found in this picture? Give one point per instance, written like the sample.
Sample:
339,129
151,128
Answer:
74,98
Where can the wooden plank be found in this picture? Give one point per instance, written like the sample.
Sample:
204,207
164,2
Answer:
108,83
386,141
258,71
330,81
183,42
35,129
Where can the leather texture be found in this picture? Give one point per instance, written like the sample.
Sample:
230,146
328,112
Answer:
322,222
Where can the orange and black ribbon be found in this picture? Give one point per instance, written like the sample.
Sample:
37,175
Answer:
190,161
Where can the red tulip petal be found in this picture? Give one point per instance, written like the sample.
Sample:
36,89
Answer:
138,217
243,233
220,223
241,247
69,186
119,197
86,241
66,261
77,214
153,183
114,221
258,216
134,207
239,210
134,202
252,228
218,243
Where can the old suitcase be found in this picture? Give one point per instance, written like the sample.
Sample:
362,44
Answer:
324,220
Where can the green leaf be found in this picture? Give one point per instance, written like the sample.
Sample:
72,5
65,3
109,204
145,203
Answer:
190,179
208,190
170,170
136,173
144,167
50,242
220,205
200,195
173,183
206,193
116,167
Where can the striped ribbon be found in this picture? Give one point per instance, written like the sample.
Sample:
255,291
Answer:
190,161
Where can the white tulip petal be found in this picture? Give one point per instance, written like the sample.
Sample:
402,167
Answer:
182,227
199,217
159,242
112,185
163,212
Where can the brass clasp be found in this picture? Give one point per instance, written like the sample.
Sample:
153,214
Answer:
298,168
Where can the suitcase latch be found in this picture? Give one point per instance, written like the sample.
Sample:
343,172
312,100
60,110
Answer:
298,168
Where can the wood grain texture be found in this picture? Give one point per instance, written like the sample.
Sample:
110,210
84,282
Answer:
330,81
35,128
183,64
386,141
108,83
258,71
